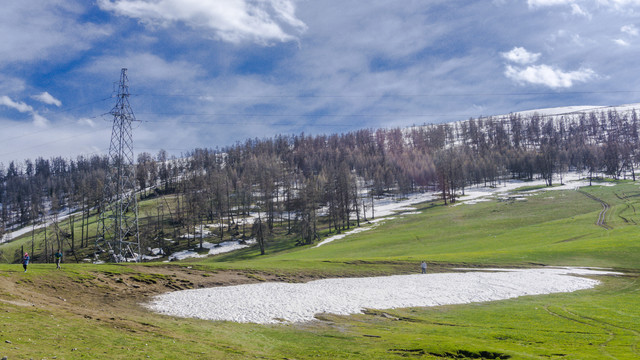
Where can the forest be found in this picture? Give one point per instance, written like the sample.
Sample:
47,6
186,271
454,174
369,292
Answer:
292,181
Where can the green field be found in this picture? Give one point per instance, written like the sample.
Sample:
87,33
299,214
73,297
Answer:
93,311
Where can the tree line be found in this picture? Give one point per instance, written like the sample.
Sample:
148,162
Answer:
294,181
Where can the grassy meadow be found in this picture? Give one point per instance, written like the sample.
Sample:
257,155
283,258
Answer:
90,311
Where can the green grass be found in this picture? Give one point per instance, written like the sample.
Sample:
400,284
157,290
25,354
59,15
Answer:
592,324
551,228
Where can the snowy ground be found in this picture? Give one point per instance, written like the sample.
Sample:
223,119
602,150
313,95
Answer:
391,206
14,234
383,208
214,249
571,181
284,302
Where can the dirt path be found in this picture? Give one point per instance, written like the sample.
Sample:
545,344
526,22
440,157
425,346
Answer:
602,216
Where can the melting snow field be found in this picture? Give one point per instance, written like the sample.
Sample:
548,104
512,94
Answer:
383,208
266,303
214,249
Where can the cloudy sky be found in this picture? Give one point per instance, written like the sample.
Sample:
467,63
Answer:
210,73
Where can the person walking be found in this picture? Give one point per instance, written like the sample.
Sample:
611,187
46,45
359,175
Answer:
423,266
25,261
58,256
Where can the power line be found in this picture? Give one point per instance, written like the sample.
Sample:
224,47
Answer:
74,136
67,109
299,115
236,123
233,96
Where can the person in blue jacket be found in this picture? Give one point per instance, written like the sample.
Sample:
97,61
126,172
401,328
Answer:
25,261
58,256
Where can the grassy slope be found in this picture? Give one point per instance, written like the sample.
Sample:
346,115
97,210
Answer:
551,228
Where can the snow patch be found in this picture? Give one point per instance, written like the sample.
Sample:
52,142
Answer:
572,181
384,207
266,303
214,249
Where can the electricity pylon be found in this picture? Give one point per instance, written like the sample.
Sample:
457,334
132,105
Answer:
118,234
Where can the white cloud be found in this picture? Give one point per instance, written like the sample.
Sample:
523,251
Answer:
35,30
235,21
542,3
48,99
20,106
619,3
521,56
548,76
577,10
38,119
621,42
630,30
87,122
606,3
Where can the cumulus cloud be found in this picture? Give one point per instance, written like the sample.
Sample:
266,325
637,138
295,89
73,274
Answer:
235,21
629,30
521,56
541,3
621,42
39,120
548,75
577,10
48,99
525,72
20,106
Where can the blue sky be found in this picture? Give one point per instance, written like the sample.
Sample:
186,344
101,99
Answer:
210,73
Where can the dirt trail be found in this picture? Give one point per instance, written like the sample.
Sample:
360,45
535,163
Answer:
602,216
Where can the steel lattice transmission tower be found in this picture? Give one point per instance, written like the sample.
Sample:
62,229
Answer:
118,233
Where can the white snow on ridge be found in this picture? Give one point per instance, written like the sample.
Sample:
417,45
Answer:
266,303
573,110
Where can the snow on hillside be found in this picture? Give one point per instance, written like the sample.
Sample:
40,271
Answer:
382,209
571,181
284,302
386,207
576,110
566,114
214,249
48,222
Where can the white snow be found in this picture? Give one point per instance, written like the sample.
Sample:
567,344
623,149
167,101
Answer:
389,205
272,302
360,229
572,181
382,209
576,110
214,249
48,222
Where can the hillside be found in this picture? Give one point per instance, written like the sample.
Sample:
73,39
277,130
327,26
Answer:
97,312
305,188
